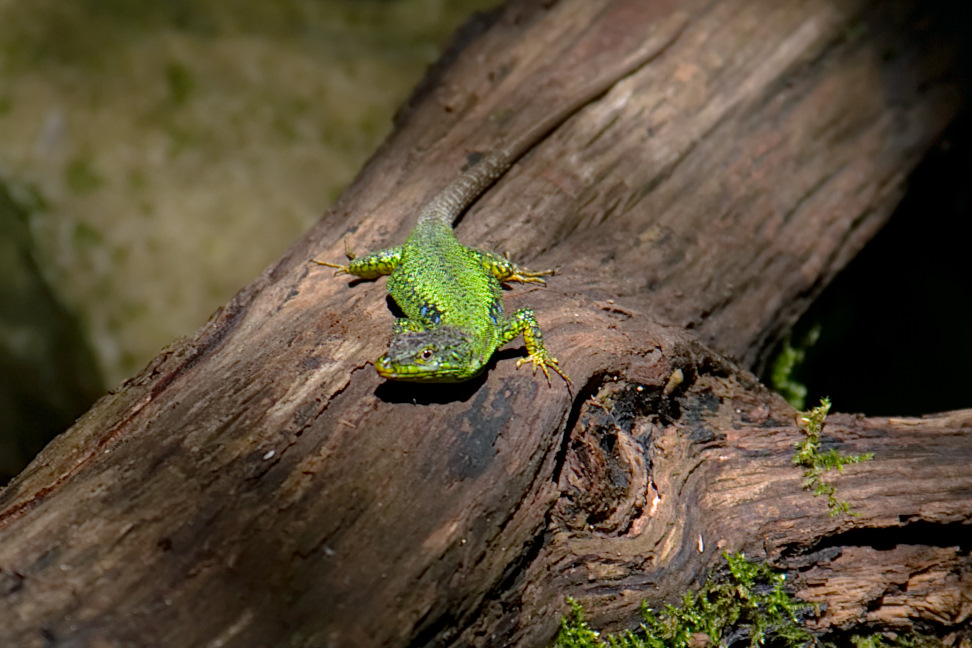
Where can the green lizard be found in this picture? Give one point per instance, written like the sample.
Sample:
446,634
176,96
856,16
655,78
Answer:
450,294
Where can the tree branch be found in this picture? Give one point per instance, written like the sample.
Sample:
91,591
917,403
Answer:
258,485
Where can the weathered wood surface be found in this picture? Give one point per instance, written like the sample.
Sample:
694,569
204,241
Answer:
258,485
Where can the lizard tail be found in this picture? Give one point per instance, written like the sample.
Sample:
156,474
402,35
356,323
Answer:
605,71
452,201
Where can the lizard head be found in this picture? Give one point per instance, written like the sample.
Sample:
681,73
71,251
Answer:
441,354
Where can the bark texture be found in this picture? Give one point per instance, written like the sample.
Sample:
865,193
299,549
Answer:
258,485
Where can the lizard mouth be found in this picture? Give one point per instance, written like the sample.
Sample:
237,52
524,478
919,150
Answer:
411,373
385,369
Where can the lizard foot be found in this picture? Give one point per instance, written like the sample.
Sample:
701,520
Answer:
527,276
544,360
523,275
341,269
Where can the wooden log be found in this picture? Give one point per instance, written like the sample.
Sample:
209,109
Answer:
257,484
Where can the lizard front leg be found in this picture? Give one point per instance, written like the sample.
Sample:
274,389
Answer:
525,322
369,266
505,270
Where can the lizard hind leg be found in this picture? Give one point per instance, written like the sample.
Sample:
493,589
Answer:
506,271
369,266
525,322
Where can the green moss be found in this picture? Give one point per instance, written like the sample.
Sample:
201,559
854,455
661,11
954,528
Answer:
743,603
787,361
574,631
816,463
908,640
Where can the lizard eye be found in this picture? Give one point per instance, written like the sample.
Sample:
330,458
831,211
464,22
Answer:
426,354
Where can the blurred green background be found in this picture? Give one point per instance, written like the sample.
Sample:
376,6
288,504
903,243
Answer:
156,156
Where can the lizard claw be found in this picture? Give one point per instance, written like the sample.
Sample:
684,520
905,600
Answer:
523,275
544,360
529,276
341,269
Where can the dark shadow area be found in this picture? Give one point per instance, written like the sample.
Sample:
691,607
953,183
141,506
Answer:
896,325
925,534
